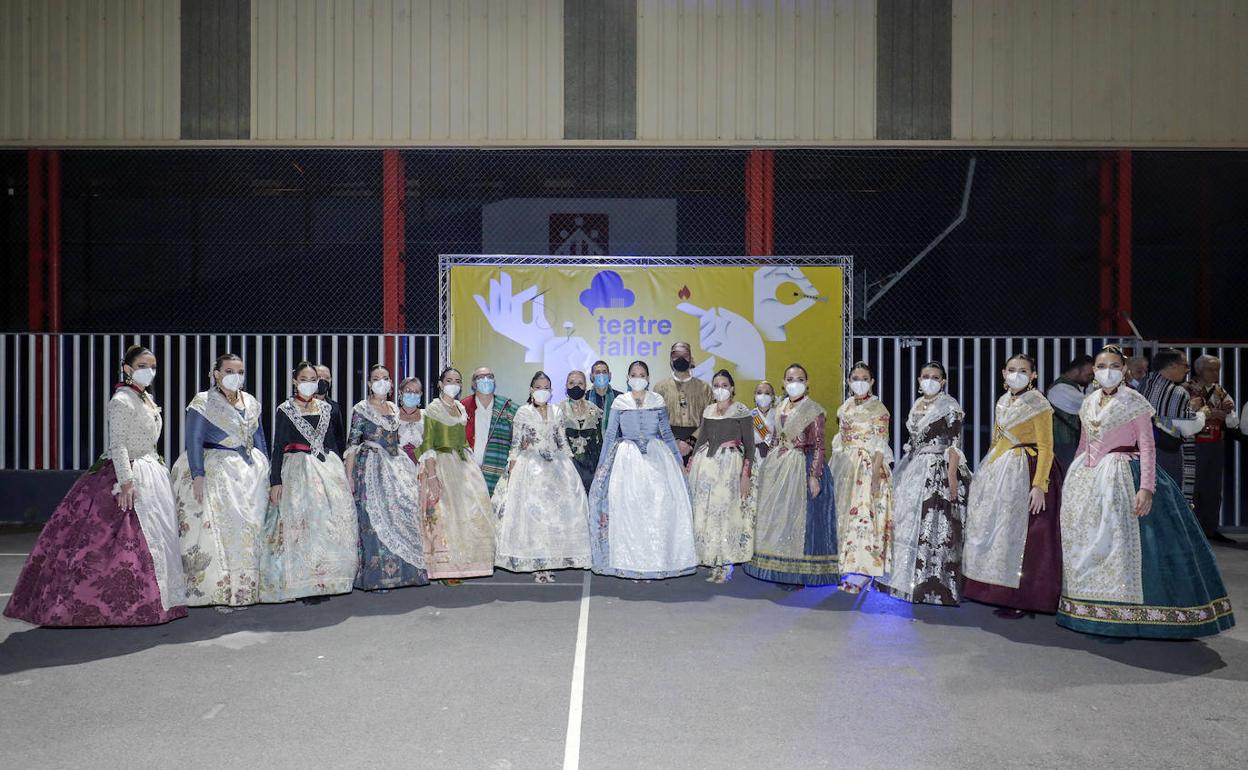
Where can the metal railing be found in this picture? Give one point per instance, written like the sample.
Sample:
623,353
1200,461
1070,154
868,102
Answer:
66,380
55,387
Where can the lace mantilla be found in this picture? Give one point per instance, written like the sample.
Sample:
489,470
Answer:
315,435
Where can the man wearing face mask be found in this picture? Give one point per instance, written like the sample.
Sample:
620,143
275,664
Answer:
1137,370
602,395
1221,419
686,398
1066,395
1176,422
324,385
490,418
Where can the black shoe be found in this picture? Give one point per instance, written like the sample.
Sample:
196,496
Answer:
1220,539
314,599
1009,613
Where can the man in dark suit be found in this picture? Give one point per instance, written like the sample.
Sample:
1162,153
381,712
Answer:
324,387
602,395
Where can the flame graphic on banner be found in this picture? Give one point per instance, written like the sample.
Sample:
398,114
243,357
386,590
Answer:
684,293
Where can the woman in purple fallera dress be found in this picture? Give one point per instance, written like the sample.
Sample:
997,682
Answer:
109,555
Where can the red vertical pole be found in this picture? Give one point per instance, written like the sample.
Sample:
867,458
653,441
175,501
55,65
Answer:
759,189
1105,251
1124,241
393,186
54,300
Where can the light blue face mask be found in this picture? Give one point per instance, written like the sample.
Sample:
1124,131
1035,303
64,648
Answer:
411,400
485,386
602,380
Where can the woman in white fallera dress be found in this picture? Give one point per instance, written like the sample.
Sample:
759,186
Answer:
539,505
312,537
640,516
221,483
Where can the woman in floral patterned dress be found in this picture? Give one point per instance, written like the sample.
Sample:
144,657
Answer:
1135,561
458,517
720,480
221,484
864,487
109,554
387,493
930,490
540,504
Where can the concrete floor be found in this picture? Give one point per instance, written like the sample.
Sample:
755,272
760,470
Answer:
678,674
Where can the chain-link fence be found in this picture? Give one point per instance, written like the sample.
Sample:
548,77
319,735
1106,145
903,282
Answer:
291,240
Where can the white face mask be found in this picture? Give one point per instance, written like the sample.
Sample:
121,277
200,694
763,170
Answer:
233,382
143,377
1017,380
307,389
762,400
929,386
721,394
860,387
381,387
541,396
1108,378
450,389
638,384
795,389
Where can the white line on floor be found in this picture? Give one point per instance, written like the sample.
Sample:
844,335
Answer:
572,744
212,713
4,595
14,554
502,583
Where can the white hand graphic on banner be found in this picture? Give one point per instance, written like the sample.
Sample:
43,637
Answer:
561,355
724,333
705,371
770,313
505,312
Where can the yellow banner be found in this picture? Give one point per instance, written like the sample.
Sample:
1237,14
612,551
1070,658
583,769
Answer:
751,320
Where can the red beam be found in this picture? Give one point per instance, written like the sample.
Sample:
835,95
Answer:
54,301
759,202
1105,251
1124,241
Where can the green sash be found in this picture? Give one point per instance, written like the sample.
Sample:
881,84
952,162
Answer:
444,438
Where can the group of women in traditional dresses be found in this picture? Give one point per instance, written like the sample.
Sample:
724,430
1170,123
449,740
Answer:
1110,546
